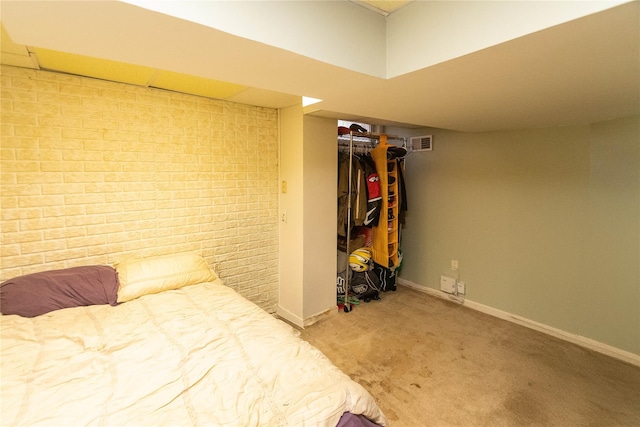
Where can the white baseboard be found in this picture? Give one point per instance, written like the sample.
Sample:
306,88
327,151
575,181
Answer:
617,353
290,317
318,317
303,323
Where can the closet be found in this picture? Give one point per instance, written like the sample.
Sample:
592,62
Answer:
370,209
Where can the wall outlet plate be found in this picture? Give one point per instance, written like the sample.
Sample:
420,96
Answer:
447,284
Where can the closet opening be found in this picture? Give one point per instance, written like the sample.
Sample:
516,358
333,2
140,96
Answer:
371,208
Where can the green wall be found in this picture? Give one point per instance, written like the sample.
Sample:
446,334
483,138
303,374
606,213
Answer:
545,224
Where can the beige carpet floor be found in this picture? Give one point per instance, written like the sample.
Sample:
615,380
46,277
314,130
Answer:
431,362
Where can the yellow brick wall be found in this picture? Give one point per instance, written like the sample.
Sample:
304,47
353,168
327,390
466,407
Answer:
94,171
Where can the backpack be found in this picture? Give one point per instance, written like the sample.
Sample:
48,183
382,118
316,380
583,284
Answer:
365,286
386,278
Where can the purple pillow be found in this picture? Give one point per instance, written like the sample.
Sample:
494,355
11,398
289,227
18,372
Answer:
350,420
39,293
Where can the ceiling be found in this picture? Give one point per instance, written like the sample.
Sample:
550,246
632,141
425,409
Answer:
583,71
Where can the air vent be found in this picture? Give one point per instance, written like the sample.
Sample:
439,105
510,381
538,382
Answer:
421,143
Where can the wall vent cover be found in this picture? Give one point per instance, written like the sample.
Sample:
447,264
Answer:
421,143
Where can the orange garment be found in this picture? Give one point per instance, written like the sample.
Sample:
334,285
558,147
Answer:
385,234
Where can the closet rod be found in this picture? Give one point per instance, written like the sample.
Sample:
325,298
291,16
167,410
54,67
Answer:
372,135
360,148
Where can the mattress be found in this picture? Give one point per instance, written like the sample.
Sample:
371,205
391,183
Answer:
197,355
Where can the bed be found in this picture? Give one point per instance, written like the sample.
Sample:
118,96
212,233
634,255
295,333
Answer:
173,346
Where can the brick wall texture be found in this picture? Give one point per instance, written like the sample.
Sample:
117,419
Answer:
95,171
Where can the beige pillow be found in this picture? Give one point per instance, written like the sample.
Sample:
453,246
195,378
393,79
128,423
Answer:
142,276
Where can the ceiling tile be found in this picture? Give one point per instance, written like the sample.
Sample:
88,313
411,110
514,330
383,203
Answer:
93,67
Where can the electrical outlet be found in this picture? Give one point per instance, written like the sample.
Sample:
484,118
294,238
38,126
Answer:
454,264
461,288
447,284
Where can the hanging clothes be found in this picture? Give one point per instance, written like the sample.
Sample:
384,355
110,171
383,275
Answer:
403,193
374,193
360,203
358,194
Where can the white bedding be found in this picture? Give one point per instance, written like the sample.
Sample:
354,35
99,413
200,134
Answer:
199,355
